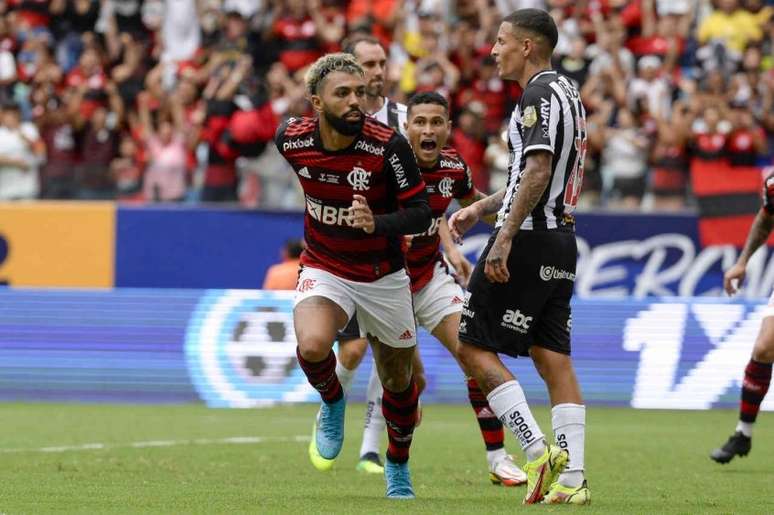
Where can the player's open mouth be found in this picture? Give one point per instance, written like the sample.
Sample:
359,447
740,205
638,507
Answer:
428,144
353,116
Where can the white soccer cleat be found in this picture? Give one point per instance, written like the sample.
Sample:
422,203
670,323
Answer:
505,472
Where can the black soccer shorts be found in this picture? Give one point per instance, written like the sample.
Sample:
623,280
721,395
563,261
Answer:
533,307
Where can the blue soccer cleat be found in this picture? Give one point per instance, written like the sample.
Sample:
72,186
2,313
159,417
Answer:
398,480
328,435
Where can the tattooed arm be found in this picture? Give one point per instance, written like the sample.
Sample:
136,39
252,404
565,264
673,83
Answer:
759,233
534,181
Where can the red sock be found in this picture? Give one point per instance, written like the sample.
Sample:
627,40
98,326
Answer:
322,375
757,377
400,413
490,425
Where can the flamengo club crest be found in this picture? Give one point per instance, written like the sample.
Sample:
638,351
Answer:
359,179
445,187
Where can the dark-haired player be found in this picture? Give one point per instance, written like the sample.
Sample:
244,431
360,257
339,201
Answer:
363,193
518,299
757,373
437,296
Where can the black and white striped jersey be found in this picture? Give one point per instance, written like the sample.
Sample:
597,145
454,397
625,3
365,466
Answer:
550,116
392,114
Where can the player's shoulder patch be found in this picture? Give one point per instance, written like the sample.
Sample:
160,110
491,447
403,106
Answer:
378,131
529,116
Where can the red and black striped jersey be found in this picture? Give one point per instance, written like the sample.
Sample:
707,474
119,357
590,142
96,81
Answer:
379,165
768,191
449,178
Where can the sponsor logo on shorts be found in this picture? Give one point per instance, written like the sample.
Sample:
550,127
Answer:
518,425
466,311
295,144
463,327
306,285
548,273
370,148
445,187
516,321
359,179
407,335
569,323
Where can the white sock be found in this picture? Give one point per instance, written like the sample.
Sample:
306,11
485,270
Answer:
745,427
493,457
569,423
374,419
510,405
345,376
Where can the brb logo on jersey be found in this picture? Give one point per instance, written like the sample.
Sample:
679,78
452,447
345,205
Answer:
241,350
445,187
359,178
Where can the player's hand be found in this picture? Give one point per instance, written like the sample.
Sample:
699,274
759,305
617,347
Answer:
496,265
733,278
461,221
361,215
461,265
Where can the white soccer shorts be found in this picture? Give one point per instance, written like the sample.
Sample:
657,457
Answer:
383,307
439,298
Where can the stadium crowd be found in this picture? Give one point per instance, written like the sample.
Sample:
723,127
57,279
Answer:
177,100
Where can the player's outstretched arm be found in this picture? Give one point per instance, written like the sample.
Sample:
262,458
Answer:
463,220
759,233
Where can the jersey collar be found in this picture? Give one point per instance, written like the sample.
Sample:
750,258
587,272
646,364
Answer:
538,74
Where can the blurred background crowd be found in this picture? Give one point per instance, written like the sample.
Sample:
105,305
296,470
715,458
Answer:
177,100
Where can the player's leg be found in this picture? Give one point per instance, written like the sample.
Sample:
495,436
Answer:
373,430
506,398
502,469
386,316
497,318
757,378
319,312
550,353
352,348
568,419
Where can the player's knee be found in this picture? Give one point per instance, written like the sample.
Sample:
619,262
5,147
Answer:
351,353
763,352
314,348
466,354
420,380
397,381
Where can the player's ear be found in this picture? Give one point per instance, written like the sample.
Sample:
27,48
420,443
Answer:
316,102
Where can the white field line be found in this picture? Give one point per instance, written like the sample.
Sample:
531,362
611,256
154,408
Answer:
232,440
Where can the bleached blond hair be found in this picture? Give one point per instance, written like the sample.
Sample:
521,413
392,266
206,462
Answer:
338,62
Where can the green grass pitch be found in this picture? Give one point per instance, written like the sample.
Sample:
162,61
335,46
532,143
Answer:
185,459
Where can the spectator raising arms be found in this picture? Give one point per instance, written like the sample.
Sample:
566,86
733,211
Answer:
165,175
